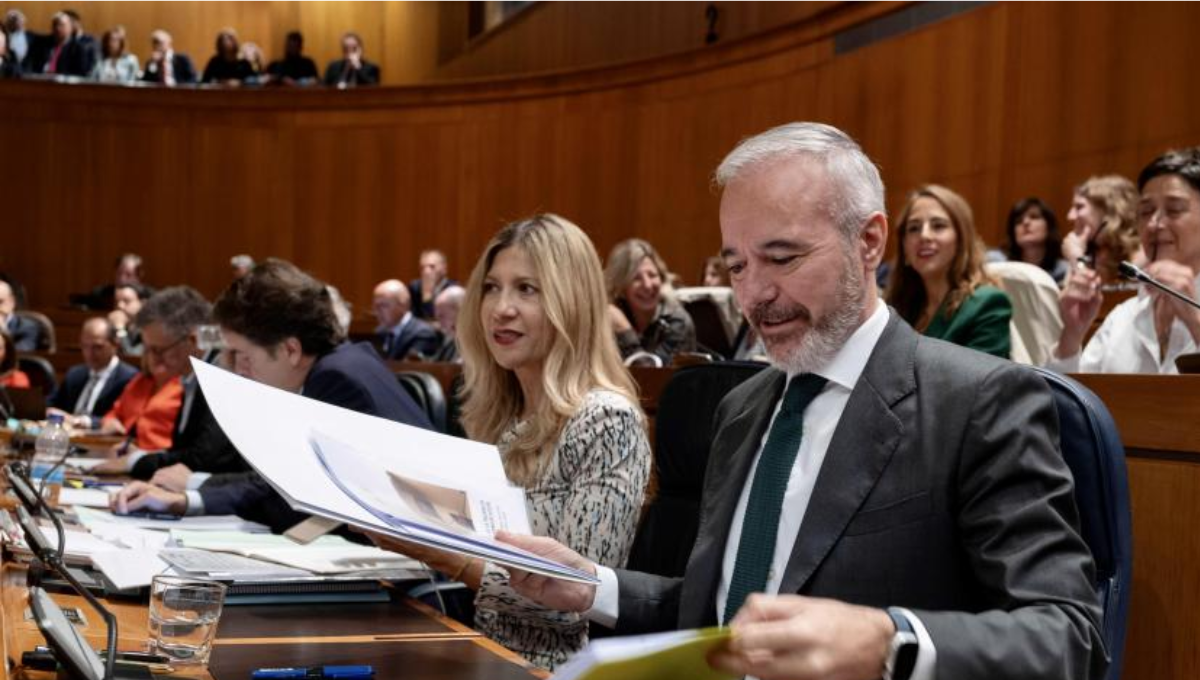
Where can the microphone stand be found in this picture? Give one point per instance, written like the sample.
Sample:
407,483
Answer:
1132,272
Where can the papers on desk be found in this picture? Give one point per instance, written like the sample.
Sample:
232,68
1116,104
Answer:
406,482
326,555
83,464
91,498
679,655
91,517
128,569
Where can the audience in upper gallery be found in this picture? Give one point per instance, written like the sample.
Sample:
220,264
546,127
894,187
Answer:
1032,237
127,303
227,67
10,63
545,384
643,312
165,66
937,282
445,309
19,40
279,328
89,390
294,68
127,269
168,320
400,332
1146,333
25,334
715,273
60,53
241,265
352,69
1103,225
433,280
117,64
10,374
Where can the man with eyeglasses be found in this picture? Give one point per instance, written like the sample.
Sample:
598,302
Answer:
1146,333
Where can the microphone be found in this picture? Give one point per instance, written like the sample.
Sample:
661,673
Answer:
1132,272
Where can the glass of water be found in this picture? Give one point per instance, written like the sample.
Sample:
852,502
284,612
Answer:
183,617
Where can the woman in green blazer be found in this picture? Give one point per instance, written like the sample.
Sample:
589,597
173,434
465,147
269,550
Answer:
938,284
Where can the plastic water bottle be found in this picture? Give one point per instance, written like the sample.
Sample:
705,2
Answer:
51,446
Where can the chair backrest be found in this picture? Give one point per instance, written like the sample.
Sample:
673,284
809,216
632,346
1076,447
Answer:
40,372
427,392
682,435
47,340
1092,449
1036,320
711,331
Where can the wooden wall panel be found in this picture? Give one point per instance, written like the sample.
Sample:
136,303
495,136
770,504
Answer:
353,185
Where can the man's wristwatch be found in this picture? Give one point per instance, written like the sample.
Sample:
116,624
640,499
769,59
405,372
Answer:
902,657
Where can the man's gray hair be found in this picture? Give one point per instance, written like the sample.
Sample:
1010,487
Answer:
857,186
180,309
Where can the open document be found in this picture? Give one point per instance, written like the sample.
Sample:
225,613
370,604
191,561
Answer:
405,482
678,655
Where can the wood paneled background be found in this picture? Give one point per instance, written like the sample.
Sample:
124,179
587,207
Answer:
1000,102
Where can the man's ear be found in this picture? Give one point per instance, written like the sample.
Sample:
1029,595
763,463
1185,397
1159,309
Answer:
873,241
293,351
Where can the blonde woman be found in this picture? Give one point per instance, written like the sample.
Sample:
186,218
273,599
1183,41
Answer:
1103,219
644,315
545,383
938,284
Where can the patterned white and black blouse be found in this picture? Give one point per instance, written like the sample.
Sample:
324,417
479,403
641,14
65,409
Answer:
588,498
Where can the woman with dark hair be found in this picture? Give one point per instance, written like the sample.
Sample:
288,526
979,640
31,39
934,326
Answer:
937,282
227,67
116,64
10,375
1033,237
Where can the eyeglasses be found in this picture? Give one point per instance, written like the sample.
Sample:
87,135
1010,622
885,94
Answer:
160,351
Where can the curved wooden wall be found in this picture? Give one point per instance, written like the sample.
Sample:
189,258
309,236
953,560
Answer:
1000,102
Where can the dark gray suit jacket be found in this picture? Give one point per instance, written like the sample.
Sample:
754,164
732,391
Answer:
943,491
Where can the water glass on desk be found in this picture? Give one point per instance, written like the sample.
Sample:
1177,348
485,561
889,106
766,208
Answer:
183,617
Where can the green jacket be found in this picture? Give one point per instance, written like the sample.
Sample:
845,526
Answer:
981,322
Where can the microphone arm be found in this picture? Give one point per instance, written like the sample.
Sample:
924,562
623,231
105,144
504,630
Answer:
1132,272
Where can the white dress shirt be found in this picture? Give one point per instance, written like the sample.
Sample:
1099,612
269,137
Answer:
96,381
820,420
1127,342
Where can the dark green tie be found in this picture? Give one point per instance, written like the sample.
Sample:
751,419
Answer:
756,549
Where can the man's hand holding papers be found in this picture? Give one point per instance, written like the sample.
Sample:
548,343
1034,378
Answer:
567,596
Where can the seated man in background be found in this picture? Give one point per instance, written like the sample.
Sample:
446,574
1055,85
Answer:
26,334
90,389
165,66
280,329
168,320
433,280
1144,334
294,68
445,309
400,332
352,69
127,270
128,299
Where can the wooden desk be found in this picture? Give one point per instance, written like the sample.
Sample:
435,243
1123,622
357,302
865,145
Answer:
402,639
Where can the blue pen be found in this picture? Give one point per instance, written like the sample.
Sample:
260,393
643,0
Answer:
343,672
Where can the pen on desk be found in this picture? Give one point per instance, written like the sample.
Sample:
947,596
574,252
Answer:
342,672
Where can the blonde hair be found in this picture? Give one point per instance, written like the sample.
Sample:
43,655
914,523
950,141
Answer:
1116,199
581,355
906,290
623,263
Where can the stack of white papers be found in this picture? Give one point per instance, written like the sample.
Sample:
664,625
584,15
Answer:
90,498
326,555
376,474
91,517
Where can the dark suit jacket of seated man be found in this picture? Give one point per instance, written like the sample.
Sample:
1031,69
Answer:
414,336
351,376
75,382
924,478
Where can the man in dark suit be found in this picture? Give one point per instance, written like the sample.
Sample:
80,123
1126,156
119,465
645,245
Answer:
401,333
165,66
60,53
89,390
901,501
433,280
279,324
352,70
26,334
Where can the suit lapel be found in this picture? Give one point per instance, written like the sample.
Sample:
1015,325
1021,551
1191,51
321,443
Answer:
724,479
863,443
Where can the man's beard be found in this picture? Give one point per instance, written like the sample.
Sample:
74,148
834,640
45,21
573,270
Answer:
822,340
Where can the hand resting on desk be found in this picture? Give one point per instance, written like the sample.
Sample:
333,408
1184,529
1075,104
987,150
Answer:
137,496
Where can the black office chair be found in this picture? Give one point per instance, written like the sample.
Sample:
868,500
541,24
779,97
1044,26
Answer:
682,439
1092,449
427,392
711,333
40,372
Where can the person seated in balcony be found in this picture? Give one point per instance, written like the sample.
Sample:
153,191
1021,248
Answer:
166,66
400,332
116,64
61,53
227,67
10,63
294,68
26,334
352,69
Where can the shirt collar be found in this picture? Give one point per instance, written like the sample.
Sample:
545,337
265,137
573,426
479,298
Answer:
850,361
107,370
